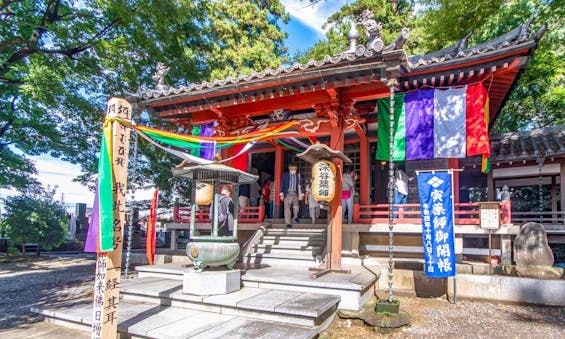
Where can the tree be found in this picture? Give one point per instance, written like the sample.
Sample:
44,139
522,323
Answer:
538,100
393,15
61,59
35,218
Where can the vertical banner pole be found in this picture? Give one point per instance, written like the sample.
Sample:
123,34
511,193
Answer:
453,218
109,264
489,251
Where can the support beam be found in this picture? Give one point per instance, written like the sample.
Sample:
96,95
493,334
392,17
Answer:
364,164
490,186
336,143
278,178
454,164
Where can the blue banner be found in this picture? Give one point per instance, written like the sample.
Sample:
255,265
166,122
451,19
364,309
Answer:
436,204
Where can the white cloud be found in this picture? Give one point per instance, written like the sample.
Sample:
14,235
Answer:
54,172
313,16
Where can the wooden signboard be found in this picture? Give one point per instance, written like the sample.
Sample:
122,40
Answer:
490,215
109,264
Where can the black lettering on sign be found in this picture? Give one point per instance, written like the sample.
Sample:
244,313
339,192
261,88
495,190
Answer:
112,284
119,188
110,317
120,162
111,109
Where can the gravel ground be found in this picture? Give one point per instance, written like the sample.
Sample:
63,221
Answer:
37,281
42,281
438,318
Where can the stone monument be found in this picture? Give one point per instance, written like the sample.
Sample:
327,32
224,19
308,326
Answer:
532,254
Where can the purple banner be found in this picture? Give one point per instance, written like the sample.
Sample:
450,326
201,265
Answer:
419,108
93,227
207,151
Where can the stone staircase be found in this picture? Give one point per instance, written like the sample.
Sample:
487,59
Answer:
154,307
301,245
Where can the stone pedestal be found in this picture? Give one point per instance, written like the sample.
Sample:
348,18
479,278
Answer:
211,282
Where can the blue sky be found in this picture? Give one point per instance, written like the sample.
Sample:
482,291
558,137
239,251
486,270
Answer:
304,30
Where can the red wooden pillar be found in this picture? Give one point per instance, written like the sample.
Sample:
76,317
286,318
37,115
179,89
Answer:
278,178
364,165
336,143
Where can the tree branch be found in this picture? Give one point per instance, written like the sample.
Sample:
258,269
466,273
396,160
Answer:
5,3
11,42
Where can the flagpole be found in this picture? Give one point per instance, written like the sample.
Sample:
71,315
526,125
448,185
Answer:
453,218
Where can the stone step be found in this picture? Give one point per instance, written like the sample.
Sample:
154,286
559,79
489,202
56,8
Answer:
312,231
293,237
284,250
354,288
287,246
289,307
294,242
277,258
285,274
151,320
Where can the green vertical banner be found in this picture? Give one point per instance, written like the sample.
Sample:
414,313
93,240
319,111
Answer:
105,194
196,132
383,129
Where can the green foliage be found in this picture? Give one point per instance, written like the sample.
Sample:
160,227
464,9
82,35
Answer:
60,60
393,15
35,218
13,250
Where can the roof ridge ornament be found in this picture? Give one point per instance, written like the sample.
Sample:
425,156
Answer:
372,30
159,76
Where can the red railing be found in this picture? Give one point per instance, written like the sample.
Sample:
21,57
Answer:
465,214
246,214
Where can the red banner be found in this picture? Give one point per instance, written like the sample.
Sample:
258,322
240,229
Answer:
151,219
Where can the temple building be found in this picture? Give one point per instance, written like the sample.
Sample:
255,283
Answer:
336,101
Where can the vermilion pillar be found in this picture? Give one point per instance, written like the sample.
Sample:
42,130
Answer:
278,178
363,166
336,143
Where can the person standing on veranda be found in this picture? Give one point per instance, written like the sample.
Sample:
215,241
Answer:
291,194
347,194
313,205
225,212
266,194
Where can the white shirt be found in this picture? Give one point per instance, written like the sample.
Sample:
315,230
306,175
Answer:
401,182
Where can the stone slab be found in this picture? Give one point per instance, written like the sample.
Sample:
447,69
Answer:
359,280
267,301
246,328
142,322
232,299
172,268
198,323
308,305
211,282
158,288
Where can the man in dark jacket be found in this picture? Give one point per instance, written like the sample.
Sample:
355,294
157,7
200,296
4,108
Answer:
291,193
225,212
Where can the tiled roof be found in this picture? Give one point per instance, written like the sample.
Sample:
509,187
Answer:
458,51
528,145
360,52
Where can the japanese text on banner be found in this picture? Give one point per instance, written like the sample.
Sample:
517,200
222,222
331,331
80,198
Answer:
436,201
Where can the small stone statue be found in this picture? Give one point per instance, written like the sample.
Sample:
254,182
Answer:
372,30
159,76
531,247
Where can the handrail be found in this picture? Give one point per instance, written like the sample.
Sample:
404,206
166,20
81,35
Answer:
465,213
246,215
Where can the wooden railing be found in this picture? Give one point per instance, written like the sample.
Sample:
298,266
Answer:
548,219
246,214
465,214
